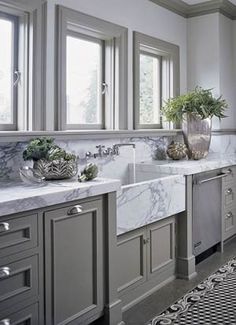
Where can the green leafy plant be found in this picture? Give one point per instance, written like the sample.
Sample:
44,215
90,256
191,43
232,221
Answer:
199,102
45,148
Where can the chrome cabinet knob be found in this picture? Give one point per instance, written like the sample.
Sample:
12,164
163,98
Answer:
5,321
4,272
75,210
229,215
4,226
229,191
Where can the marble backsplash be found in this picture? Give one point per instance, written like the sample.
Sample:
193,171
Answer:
147,148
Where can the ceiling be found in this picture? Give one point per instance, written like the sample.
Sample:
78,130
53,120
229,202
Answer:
193,2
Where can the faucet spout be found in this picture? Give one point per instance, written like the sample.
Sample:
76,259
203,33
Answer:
118,145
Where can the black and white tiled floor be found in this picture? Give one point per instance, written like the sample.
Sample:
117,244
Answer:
212,302
155,304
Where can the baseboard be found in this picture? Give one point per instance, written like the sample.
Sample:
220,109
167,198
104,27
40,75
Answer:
143,296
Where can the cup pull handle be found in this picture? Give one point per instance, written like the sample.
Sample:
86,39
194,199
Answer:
4,226
75,210
5,321
5,272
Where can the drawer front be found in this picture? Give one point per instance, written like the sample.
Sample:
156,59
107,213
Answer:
229,222
18,234
229,194
27,316
18,281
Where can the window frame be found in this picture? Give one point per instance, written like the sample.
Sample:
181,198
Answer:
31,58
170,76
115,65
15,54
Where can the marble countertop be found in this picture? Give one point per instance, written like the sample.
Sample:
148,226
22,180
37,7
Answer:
189,167
18,197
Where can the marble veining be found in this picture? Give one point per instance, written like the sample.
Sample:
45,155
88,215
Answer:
18,197
148,201
189,167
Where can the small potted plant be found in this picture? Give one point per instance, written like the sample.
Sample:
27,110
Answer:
195,111
50,160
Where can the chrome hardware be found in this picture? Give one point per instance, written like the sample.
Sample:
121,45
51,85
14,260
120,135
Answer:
229,191
4,272
18,75
212,178
75,210
100,151
5,321
229,171
88,155
4,226
104,88
229,215
118,145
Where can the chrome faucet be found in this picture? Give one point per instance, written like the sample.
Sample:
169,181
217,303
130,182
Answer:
118,145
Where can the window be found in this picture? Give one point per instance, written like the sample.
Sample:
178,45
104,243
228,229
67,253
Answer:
92,72
84,81
156,78
9,74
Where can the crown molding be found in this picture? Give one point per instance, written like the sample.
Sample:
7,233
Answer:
225,7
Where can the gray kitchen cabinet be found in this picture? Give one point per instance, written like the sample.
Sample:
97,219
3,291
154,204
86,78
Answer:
161,246
131,259
146,257
74,263
18,233
229,203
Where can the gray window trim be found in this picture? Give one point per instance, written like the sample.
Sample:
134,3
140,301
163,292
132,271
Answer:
115,38
30,62
170,82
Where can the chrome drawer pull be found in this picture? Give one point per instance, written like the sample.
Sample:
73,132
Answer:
4,272
229,171
75,210
229,191
5,322
229,215
4,226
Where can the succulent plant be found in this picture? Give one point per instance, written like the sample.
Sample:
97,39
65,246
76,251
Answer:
45,148
90,172
177,150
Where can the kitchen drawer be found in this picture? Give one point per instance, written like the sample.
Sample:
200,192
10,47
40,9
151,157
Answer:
229,222
27,316
229,194
18,282
18,234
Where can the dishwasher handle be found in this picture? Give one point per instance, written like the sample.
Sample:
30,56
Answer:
222,175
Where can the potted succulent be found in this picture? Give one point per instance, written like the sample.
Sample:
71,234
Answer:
50,160
195,111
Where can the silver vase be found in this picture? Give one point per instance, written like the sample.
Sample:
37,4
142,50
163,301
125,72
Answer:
56,169
197,136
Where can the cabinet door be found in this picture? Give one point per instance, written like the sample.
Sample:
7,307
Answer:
74,263
131,260
161,248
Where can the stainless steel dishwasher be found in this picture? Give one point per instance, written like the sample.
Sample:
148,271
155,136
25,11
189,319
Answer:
207,210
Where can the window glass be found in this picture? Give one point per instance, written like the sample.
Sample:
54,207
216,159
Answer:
150,89
83,81
6,71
